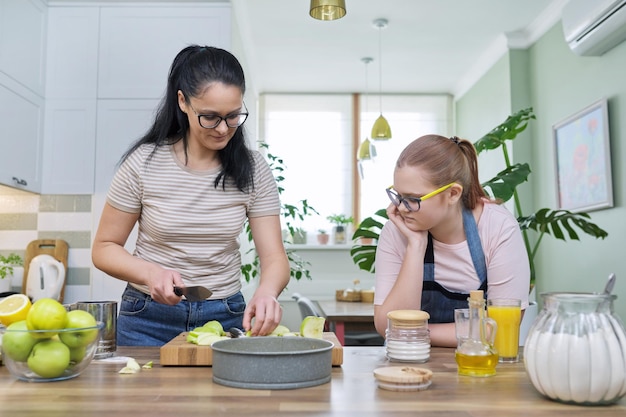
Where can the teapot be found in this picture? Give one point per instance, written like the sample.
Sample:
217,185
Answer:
46,278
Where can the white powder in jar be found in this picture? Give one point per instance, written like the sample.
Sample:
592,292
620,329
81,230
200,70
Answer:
585,368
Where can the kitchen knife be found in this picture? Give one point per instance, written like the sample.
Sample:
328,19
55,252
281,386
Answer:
196,293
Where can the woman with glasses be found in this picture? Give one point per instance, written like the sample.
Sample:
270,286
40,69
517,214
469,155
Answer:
190,183
445,238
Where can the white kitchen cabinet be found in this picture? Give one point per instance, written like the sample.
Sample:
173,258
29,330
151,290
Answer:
92,55
69,146
22,76
135,116
21,122
138,44
71,100
23,42
72,56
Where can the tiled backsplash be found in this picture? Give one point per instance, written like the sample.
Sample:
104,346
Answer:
25,217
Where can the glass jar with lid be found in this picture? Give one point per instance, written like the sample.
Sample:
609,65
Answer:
407,338
575,351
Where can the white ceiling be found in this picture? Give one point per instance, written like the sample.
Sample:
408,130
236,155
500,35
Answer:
429,46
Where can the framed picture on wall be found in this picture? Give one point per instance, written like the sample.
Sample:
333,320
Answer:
583,160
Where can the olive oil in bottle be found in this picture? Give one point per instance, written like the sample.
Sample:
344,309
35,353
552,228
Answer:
476,356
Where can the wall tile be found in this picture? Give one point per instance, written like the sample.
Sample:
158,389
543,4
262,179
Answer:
74,239
18,221
78,276
64,221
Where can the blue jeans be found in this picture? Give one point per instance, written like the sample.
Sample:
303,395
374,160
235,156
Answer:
144,322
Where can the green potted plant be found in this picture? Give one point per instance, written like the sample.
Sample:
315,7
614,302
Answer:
292,214
561,224
340,221
7,263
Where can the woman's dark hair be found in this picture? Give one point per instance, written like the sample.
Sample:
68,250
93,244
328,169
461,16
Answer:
446,160
192,70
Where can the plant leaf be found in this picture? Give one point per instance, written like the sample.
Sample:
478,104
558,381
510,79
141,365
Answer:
553,221
503,185
508,130
364,256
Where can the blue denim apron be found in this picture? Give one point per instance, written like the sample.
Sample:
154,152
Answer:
438,301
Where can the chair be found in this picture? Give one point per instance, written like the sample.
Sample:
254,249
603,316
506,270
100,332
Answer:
308,308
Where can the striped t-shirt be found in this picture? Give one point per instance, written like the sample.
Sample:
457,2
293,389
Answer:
186,223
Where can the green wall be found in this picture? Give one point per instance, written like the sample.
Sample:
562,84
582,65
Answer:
557,83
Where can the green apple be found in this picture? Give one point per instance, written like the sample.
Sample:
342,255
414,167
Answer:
214,326
79,319
312,326
77,354
17,342
49,358
207,339
46,314
280,330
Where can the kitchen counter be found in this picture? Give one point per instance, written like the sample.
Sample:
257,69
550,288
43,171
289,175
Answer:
189,391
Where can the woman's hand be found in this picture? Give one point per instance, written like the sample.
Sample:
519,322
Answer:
161,283
267,314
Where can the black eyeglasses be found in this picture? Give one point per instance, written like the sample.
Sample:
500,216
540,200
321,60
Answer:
413,203
211,121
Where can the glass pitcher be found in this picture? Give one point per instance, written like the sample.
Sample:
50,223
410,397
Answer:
475,355
575,351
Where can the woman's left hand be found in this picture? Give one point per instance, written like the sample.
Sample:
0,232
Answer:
267,314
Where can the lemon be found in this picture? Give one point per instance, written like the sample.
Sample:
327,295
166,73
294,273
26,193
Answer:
14,308
312,326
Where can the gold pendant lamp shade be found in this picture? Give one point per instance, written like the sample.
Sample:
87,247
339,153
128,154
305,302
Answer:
327,9
365,150
381,129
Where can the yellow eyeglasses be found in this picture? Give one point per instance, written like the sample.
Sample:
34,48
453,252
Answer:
413,203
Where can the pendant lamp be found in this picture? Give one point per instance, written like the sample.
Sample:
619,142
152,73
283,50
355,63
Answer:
381,129
327,9
366,150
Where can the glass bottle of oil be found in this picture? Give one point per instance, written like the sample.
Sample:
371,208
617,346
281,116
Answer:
475,355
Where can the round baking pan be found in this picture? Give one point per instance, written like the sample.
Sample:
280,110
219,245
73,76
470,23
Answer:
272,362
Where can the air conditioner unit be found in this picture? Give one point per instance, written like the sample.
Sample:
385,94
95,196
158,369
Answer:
592,27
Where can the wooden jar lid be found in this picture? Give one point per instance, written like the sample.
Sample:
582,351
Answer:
403,378
408,318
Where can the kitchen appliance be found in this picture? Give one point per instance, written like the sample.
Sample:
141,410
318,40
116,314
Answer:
46,278
56,248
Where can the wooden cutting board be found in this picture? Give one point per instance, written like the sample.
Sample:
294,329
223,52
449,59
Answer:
179,352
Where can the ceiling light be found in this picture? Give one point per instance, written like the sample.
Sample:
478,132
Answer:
327,9
381,129
367,150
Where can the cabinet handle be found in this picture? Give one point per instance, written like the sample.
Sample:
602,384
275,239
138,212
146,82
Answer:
19,181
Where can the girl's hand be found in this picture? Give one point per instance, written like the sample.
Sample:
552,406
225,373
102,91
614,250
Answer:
414,237
267,314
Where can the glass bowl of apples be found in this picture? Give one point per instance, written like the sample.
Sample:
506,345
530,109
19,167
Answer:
36,351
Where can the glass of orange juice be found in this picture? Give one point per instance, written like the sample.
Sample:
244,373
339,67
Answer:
507,313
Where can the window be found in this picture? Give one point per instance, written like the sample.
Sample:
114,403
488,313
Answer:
314,135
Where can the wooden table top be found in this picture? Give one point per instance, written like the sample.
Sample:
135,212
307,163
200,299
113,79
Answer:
346,310
189,391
